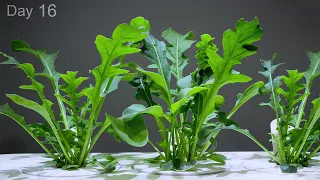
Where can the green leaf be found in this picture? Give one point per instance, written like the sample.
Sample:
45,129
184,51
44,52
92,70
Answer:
196,107
109,165
235,48
111,49
131,127
185,96
71,79
36,86
314,68
7,111
70,167
202,47
155,51
70,87
293,86
178,44
218,100
293,136
316,105
28,69
113,86
10,60
136,109
167,166
49,71
30,105
183,166
206,133
185,82
273,83
47,60
225,120
310,74
249,93
143,91
35,107
286,168
158,80
133,132
140,23
70,136
61,98
42,130
217,157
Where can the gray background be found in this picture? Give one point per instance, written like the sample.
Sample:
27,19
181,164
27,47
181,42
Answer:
290,28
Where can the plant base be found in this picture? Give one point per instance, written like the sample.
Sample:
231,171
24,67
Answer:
262,165
202,168
51,171
287,168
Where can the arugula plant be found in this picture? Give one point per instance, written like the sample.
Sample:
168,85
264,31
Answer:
298,135
67,136
298,138
190,119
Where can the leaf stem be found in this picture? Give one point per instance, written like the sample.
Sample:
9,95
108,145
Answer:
314,120
314,152
259,144
93,117
155,148
39,142
105,125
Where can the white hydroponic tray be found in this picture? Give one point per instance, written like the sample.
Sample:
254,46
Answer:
240,165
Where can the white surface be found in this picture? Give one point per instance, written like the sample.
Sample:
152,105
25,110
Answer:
242,166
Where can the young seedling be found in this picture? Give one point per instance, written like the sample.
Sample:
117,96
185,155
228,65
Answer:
68,137
190,119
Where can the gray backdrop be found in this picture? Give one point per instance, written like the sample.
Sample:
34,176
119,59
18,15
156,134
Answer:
290,29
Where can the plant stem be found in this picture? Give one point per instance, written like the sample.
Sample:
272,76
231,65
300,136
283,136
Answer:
207,110
273,96
314,152
105,125
203,150
87,138
39,142
207,145
53,123
161,127
53,146
310,146
259,144
192,153
314,120
172,140
296,145
93,117
60,104
155,148
179,140
302,105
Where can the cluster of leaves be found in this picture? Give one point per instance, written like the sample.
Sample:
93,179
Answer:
190,119
298,135
68,136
